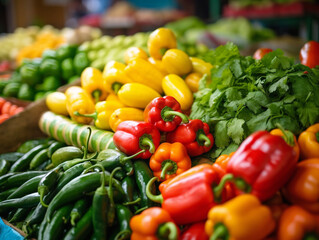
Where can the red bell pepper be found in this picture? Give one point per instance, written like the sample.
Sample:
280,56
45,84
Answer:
195,136
195,231
309,54
262,164
188,196
164,113
132,137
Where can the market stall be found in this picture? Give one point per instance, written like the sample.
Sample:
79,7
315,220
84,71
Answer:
175,133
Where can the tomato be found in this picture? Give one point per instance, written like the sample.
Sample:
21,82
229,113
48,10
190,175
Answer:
309,54
261,52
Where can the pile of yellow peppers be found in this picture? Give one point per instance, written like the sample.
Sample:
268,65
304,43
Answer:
123,90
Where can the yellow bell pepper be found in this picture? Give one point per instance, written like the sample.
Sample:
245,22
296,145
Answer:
177,62
103,111
192,81
308,142
112,97
136,95
240,218
92,83
56,102
200,66
158,64
176,87
160,40
114,76
123,114
134,52
142,71
79,101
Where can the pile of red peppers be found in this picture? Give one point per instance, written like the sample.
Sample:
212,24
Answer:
236,197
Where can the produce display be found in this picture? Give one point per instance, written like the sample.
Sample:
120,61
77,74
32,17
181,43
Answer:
8,109
156,143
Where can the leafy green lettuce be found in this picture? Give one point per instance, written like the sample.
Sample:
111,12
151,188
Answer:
244,95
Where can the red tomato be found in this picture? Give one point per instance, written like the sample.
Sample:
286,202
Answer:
261,52
6,108
309,54
2,101
4,117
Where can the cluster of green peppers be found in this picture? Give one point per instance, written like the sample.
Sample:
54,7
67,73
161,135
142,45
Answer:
90,195
37,77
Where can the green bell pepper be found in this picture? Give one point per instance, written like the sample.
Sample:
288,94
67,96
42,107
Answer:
49,53
80,62
67,68
11,89
30,74
50,83
50,67
73,78
66,51
26,92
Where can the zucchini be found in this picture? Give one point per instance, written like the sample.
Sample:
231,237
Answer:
65,130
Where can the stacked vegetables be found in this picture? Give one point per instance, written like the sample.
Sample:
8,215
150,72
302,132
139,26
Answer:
36,78
8,109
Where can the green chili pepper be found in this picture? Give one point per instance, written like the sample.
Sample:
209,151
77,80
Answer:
27,187
129,186
11,157
18,179
19,215
28,145
55,146
30,200
39,158
4,194
47,183
79,209
4,167
66,153
124,216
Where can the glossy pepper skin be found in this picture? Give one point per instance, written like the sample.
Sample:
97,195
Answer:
160,40
262,164
92,83
123,114
193,192
173,85
177,62
240,218
164,113
142,71
303,187
103,111
133,136
297,224
195,136
78,100
169,160
114,76
309,54
196,231
192,81
308,142
134,52
200,66
152,224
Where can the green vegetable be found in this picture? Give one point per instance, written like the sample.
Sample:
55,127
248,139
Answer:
30,74
66,51
50,67
245,95
67,68
4,166
79,209
50,83
49,53
26,92
11,89
28,145
80,62
30,200
66,153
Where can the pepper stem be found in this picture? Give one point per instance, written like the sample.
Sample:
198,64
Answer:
124,234
168,231
137,200
92,115
132,156
310,236
168,115
96,95
239,183
147,142
42,193
86,148
116,87
287,135
110,185
150,195
168,167
220,232
202,138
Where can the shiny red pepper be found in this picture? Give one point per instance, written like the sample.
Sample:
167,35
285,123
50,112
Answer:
262,164
164,113
132,137
195,136
188,196
309,54
195,231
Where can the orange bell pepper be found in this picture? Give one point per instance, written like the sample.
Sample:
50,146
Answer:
220,164
152,224
303,188
192,81
309,142
169,160
297,224
240,218
286,136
